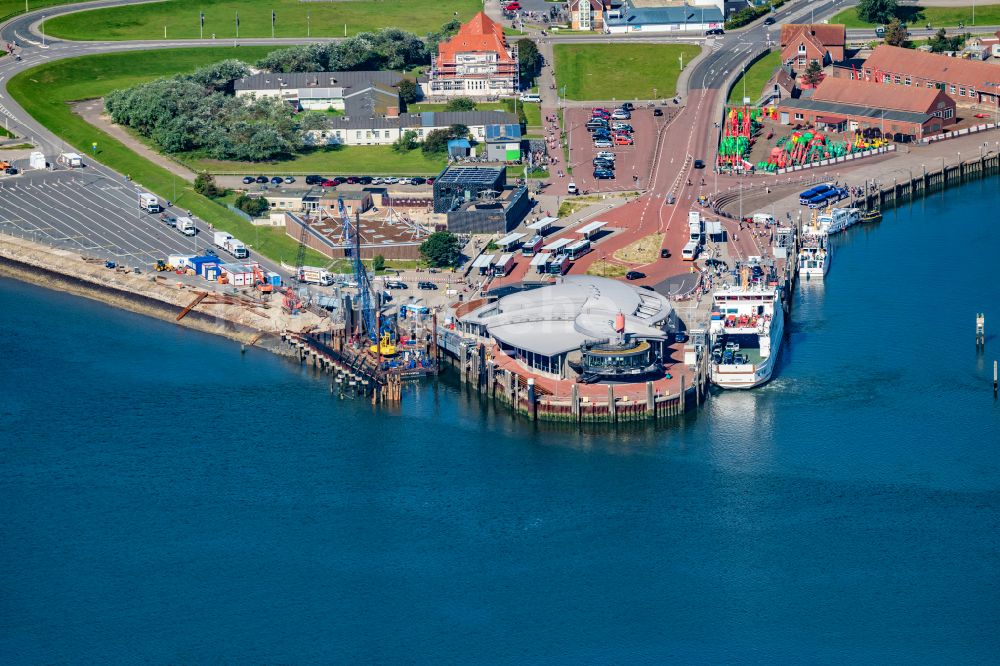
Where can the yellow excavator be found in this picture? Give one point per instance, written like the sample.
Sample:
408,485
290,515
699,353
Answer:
385,346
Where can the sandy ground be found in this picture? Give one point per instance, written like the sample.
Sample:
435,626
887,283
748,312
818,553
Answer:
114,287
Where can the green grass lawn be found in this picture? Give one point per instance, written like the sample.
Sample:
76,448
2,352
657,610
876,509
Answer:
346,161
756,78
294,18
10,8
44,91
918,17
620,71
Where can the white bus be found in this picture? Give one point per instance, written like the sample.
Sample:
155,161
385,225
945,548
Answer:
690,251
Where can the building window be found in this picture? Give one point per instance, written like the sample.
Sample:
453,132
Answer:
895,79
951,89
907,81
358,134
930,85
972,93
961,91
802,48
798,116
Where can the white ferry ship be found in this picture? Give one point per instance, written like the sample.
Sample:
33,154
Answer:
836,220
814,256
746,330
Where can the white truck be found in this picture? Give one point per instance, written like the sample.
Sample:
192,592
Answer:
235,247
149,203
313,275
220,237
185,225
71,160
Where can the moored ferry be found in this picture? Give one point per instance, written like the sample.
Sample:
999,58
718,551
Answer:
746,330
814,256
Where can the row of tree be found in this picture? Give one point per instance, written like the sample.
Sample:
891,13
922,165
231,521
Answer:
390,48
197,112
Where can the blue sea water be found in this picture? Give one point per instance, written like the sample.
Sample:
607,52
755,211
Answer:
169,500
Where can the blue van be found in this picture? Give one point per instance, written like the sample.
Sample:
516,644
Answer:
806,197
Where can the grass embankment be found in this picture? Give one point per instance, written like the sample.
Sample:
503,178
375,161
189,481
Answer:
605,268
293,18
46,90
918,17
621,71
343,161
643,251
756,78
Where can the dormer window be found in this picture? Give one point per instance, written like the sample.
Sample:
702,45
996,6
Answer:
802,48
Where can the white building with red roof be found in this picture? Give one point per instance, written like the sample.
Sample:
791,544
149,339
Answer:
477,62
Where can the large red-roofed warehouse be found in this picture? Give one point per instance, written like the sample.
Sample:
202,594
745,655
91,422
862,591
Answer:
967,81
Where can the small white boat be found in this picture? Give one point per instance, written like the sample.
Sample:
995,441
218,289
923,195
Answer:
814,256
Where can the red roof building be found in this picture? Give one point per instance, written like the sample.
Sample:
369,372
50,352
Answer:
476,62
968,81
802,43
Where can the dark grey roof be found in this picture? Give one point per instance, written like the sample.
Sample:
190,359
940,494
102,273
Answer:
470,175
857,111
425,119
370,101
297,80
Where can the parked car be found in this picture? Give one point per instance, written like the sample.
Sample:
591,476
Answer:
314,180
607,155
427,286
634,275
247,180
622,127
419,181
277,180
289,180
657,111
209,252
628,106
261,179
604,164
531,97
430,181
390,180
339,180
396,284
365,180
621,114
699,164
377,180
604,174
664,253
329,183
720,31
603,143
770,21
680,336
624,141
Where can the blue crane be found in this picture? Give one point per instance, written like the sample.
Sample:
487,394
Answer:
352,240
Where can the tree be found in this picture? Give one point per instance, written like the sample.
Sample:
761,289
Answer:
814,73
252,206
895,33
441,249
436,141
877,11
447,31
409,92
378,263
460,104
529,61
204,184
406,142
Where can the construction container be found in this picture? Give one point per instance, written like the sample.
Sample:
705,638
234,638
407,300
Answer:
274,279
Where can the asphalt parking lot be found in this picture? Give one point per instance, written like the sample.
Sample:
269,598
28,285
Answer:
93,215
632,163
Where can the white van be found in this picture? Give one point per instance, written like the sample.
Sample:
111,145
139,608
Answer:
690,251
531,97
572,189
763,218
